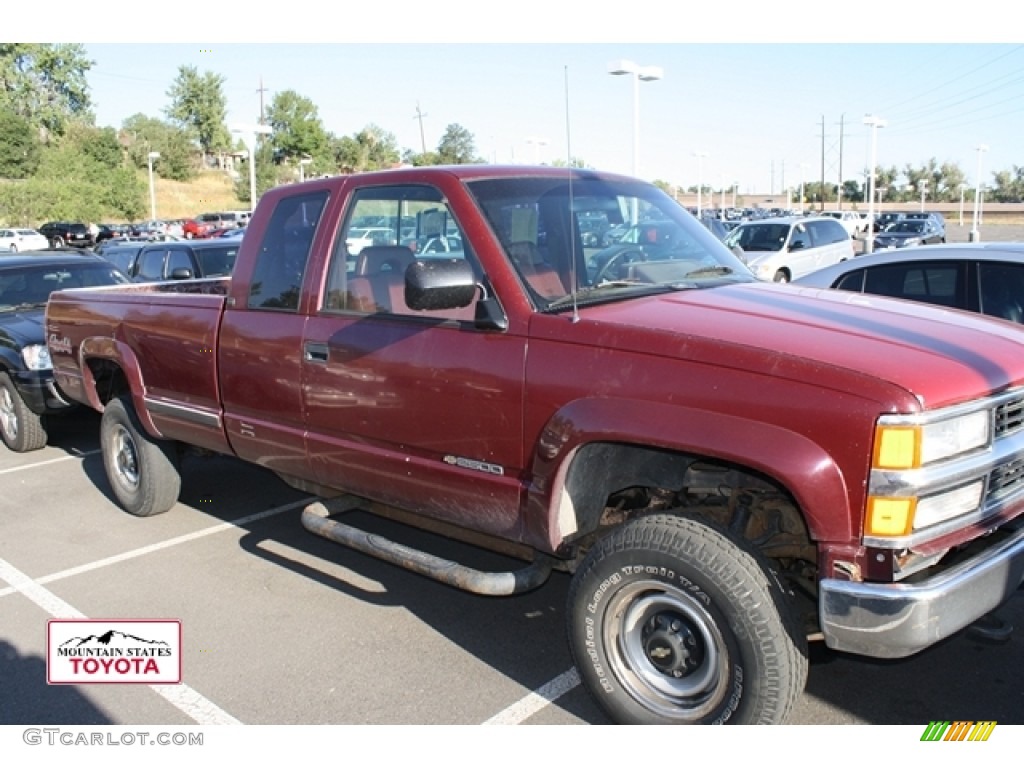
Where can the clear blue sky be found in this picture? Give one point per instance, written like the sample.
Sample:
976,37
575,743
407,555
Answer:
746,85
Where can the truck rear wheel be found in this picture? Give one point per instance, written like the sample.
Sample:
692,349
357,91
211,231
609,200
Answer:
142,472
671,621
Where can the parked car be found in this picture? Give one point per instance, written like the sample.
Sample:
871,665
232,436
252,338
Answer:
14,240
27,390
978,277
363,237
908,232
716,226
198,228
61,233
110,231
787,247
155,262
852,221
884,219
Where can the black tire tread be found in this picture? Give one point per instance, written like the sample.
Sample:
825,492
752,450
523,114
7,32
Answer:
160,479
738,572
31,432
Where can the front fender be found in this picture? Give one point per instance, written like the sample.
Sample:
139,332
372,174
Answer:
803,467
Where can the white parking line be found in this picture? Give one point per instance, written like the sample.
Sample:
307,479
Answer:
133,553
182,697
47,462
534,702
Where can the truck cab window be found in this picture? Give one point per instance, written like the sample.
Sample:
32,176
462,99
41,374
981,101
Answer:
284,252
385,231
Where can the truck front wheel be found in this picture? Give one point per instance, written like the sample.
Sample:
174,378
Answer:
672,621
143,472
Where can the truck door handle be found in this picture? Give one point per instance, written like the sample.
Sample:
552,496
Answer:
315,352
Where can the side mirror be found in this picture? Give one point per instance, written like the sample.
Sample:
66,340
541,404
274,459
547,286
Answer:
797,245
439,284
181,273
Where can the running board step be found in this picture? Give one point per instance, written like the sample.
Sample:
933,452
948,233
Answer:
316,519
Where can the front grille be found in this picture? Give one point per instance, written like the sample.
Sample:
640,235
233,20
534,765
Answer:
1009,418
1005,479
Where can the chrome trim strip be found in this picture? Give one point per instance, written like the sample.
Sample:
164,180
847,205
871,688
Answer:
201,416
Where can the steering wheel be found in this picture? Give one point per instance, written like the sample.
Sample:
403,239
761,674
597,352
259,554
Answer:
620,259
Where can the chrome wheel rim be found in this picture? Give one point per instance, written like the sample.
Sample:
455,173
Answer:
8,416
124,459
666,650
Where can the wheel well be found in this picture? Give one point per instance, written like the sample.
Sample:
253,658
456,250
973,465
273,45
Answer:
110,379
610,483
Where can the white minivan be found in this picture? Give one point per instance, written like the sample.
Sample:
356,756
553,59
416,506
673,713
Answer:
785,248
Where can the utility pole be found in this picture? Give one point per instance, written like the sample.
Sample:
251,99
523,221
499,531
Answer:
839,198
821,194
261,90
419,116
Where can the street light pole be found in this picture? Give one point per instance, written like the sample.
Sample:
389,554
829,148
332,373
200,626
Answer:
249,134
646,74
537,144
700,181
963,186
303,162
152,189
975,235
923,185
875,122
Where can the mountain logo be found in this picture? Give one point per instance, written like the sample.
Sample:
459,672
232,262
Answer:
113,651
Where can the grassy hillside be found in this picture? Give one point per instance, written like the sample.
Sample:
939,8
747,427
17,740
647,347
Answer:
210,191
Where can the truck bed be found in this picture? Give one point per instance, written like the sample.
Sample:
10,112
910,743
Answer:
163,334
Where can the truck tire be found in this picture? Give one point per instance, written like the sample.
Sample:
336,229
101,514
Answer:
142,472
21,429
672,621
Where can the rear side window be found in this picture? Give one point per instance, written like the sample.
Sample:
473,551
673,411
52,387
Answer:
214,262
936,283
826,232
284,252
151,264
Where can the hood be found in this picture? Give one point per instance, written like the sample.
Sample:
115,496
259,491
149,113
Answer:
20,329
850,342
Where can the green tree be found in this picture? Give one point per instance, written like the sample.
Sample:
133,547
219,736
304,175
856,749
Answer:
45,84
179,154
578,162
457,147
298,131
198,103
370,149
19,146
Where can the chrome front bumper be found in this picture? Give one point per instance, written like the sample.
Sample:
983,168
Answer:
897,620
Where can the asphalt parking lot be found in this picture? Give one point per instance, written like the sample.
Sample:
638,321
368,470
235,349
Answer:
283,627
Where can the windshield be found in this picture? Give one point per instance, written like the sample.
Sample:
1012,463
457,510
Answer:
31,286
608,239
907,225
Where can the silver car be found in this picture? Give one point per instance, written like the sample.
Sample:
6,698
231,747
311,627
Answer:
977,277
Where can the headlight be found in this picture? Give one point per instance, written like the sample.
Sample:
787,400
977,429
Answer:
37,357
908,446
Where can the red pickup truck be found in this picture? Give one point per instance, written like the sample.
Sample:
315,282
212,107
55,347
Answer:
728,468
